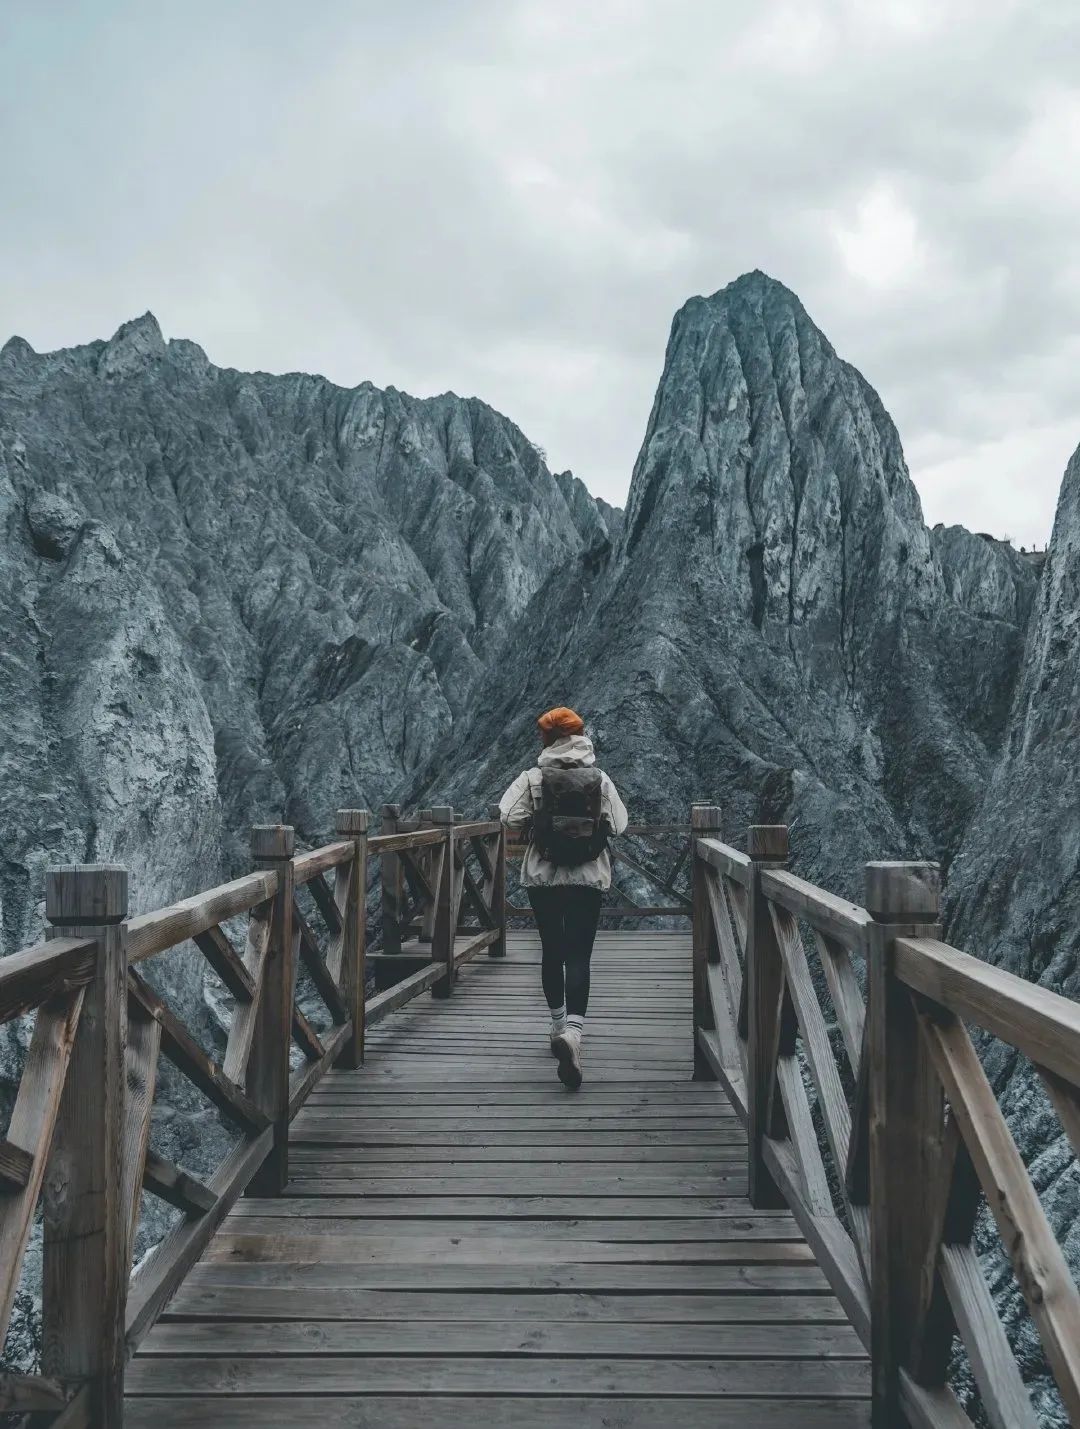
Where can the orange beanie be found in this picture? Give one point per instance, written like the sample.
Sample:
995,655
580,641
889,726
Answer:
561,721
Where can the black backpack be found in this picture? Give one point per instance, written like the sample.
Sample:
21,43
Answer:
567,827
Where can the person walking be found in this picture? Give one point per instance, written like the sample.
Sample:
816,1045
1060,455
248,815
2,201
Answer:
570,809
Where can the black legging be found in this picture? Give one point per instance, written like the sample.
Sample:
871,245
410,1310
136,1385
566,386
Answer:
566,918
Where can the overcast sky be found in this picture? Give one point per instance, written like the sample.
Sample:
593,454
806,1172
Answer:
511,200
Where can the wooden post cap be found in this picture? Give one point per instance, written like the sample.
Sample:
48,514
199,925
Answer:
390,811
272,841
87,893
442,814
352,821
493,811
903,892
705,816
768,843
425,816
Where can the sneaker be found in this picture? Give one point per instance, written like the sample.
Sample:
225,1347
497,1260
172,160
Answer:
554,1035
567,1047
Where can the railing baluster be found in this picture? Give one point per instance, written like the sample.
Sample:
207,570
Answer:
87,1224
353,824
268,1062
391,879
497,896
704,821
445,880
906,1126
767,846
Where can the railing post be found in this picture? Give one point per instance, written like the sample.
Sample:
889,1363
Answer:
498,887
905,1124
445,876
87,1250
268,1064
390,877
353,824
767,846
704,820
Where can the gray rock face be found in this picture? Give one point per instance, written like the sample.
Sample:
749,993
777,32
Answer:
775,627
232,598
1014,894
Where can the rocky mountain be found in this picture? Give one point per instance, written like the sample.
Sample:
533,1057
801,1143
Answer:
774,628
233,597
1014,894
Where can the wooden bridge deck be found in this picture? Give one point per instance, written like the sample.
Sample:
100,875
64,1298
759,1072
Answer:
463,1241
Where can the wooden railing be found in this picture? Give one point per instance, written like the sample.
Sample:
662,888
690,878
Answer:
886,1165
667,842
78,1141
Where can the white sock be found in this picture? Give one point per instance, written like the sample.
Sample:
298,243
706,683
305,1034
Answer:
558,1018
577,1021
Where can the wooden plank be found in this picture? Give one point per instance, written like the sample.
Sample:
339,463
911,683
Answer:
266,1079
224,959
185,1053
555,1232
1066,1102
847,997
935,1408
725,859
832,1247
140,1062
391,843
728,961
304,942
1039,1265
173,1184
306,1037
43,972
246,1014
86,1250
815,1039
307,1078
16,1166
30,1131
825,911
317,861
765,1001
326,900
906,1121
230,1302
1038,1022
1005,1401
233,1247
343,1374
31,1393
408,1411
591,1339
151,933
703,817
157,1279
402,992
530,1206
731,1078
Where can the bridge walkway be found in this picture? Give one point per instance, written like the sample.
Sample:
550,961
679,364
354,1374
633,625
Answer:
462,1241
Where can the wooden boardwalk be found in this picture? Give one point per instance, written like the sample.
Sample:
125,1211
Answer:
463,1241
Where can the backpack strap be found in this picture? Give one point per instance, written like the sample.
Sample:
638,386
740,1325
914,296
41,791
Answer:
536,787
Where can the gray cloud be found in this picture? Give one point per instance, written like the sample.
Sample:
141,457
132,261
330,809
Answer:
512,199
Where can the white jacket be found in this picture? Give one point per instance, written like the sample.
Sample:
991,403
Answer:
523,796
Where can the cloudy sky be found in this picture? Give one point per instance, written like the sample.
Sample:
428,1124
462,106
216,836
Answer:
511,198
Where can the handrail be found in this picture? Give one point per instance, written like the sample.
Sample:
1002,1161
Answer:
885,1179
96,1012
